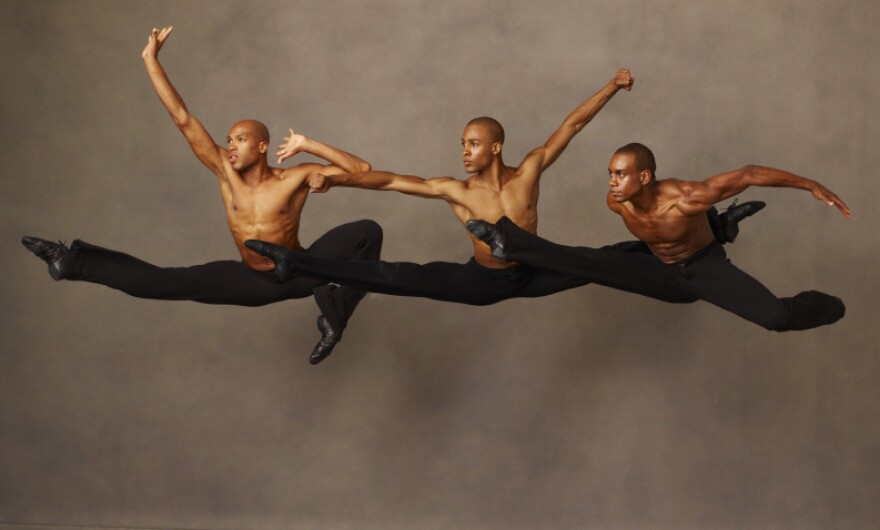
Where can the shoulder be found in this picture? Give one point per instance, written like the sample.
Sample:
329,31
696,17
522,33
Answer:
295,174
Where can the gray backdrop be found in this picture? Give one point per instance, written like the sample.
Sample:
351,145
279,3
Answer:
588,409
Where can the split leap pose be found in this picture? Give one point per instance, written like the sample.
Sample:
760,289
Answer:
494,190
261,202
686,264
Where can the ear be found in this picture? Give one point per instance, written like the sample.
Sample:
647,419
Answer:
496,148
645,177
264,146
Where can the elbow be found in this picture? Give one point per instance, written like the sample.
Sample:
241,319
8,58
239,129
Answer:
181,118
363,167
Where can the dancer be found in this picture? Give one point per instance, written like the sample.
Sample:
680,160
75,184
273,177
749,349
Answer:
261,201
686,264
494,190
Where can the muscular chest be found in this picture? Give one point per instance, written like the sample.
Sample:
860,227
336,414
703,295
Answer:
516,201
267,202
657,227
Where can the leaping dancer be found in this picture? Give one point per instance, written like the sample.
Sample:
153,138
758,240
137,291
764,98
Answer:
261,202
686,264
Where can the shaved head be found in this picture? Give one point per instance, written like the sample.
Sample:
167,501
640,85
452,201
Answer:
496,131
643,156
257,129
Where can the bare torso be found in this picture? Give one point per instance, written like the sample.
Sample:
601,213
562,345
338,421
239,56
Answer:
268,210
516,198
670,234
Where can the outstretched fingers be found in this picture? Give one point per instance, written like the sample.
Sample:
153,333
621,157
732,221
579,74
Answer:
831,199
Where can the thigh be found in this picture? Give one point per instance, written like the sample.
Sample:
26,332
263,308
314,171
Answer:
356,240
230,282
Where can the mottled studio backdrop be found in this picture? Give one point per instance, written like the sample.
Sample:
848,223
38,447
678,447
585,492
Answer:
588,409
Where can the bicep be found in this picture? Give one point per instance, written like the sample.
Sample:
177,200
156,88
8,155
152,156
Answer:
203,146
700,196
432,188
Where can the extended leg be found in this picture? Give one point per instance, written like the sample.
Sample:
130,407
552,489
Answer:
719,282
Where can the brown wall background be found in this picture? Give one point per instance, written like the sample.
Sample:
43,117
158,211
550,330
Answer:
588,409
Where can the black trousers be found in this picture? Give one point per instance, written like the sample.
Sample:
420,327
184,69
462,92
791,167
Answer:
708,275
231,282
467,283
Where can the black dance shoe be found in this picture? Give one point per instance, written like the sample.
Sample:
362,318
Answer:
56,255
488,234
281,256
737,212
329,339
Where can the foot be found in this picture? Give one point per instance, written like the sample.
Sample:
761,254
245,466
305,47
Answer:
278,254
736,213
56,255
329,339
488,234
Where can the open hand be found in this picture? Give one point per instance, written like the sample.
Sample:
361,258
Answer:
293,145
830,198
155,41
318,183
624,79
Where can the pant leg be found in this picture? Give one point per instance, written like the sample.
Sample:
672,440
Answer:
358,240
219,282
634,272
716,280
449,282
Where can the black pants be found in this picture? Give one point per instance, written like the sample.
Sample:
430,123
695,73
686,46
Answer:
468,283
708,275
465,283
231,282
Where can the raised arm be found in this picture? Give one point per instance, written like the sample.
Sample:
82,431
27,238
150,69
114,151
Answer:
446,188
700,196
201,142
344,161
539,159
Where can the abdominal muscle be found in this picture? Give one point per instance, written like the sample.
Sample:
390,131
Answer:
281,231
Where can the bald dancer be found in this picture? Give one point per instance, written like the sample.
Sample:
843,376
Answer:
686,263
493,190
260,201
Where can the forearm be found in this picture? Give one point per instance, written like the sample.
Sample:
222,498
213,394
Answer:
337,157
770,177
587,110
371,180
167,93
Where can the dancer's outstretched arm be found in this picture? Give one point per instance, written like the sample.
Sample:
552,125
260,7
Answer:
540,158
199,140
446,188
700,196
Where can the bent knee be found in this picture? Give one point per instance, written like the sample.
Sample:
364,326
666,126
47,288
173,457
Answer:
372,234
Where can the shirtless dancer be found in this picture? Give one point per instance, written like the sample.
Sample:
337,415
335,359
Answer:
686,264
494,190
261,202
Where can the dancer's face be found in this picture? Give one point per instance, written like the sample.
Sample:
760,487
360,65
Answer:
477,148
244,148
624,177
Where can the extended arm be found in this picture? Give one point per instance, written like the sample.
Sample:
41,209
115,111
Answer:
344,161
700,196
201,142
542,157
434,188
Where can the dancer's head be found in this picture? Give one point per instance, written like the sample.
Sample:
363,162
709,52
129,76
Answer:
481,142
248,142
631,168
